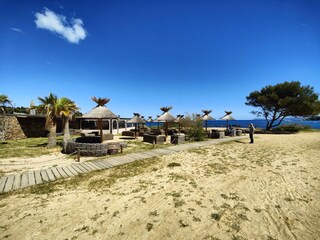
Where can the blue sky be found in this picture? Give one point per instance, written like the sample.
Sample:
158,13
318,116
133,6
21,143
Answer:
146,54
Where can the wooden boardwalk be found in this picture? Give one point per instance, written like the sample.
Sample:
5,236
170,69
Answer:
31,178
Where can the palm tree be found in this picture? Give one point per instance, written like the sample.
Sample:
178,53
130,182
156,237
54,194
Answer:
53,107
65,109
48,106
4,99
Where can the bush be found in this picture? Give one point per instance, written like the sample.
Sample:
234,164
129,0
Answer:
195,128
291,128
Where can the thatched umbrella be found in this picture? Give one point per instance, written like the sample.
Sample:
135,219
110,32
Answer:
206,117
166,117
227,117
150,120
101,112
179,118
136,120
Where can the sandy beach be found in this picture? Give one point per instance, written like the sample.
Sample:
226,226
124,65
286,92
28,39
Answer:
267,190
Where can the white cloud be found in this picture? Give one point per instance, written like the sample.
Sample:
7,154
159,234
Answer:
16,30
73,31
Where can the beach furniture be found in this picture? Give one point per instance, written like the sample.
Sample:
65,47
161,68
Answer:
178,138
156,139
217,134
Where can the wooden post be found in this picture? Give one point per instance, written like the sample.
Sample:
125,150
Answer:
78,155
101,131
154,143
121,148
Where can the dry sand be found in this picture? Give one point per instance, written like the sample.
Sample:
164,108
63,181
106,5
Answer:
267,190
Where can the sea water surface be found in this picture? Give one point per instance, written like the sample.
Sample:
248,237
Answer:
258,123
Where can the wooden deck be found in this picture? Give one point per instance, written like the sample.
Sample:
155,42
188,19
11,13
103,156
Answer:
31,178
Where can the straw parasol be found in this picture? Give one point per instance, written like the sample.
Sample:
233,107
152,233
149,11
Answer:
227,117
207,117
166,117
150,120
136,120
179,118
101,112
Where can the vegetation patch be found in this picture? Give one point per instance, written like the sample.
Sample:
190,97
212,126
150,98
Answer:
28,147
149,226
291,128
173,164
218,168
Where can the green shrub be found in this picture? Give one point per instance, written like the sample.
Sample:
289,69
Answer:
291,128
194,127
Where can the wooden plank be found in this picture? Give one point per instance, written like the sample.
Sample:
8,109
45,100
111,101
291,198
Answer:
44,175
9,183
68,172
113,162
105,164
74,172
17,181
134,156
83,169
152,154
88,166
24,180
62,172
100,164
56,173
50,174
37,176
125,159
76,168
142,156
32,180
3,181
93,165
88,169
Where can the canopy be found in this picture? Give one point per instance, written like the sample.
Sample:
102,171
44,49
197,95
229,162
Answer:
166,117
207,117
100,112
227,117
136,119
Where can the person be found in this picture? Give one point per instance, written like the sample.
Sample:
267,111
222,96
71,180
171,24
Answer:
231,131
251,132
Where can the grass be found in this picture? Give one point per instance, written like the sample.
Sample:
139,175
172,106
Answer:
28,147
36,147
137,146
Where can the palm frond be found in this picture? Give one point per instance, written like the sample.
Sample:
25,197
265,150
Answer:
166,109
206,112
100,101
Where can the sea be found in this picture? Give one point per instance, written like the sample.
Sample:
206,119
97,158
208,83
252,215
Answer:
258,123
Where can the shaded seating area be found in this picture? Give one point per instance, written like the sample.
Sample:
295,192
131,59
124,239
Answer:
91,146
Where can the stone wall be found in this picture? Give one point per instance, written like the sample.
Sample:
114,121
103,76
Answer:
11,128
18,127
33,126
